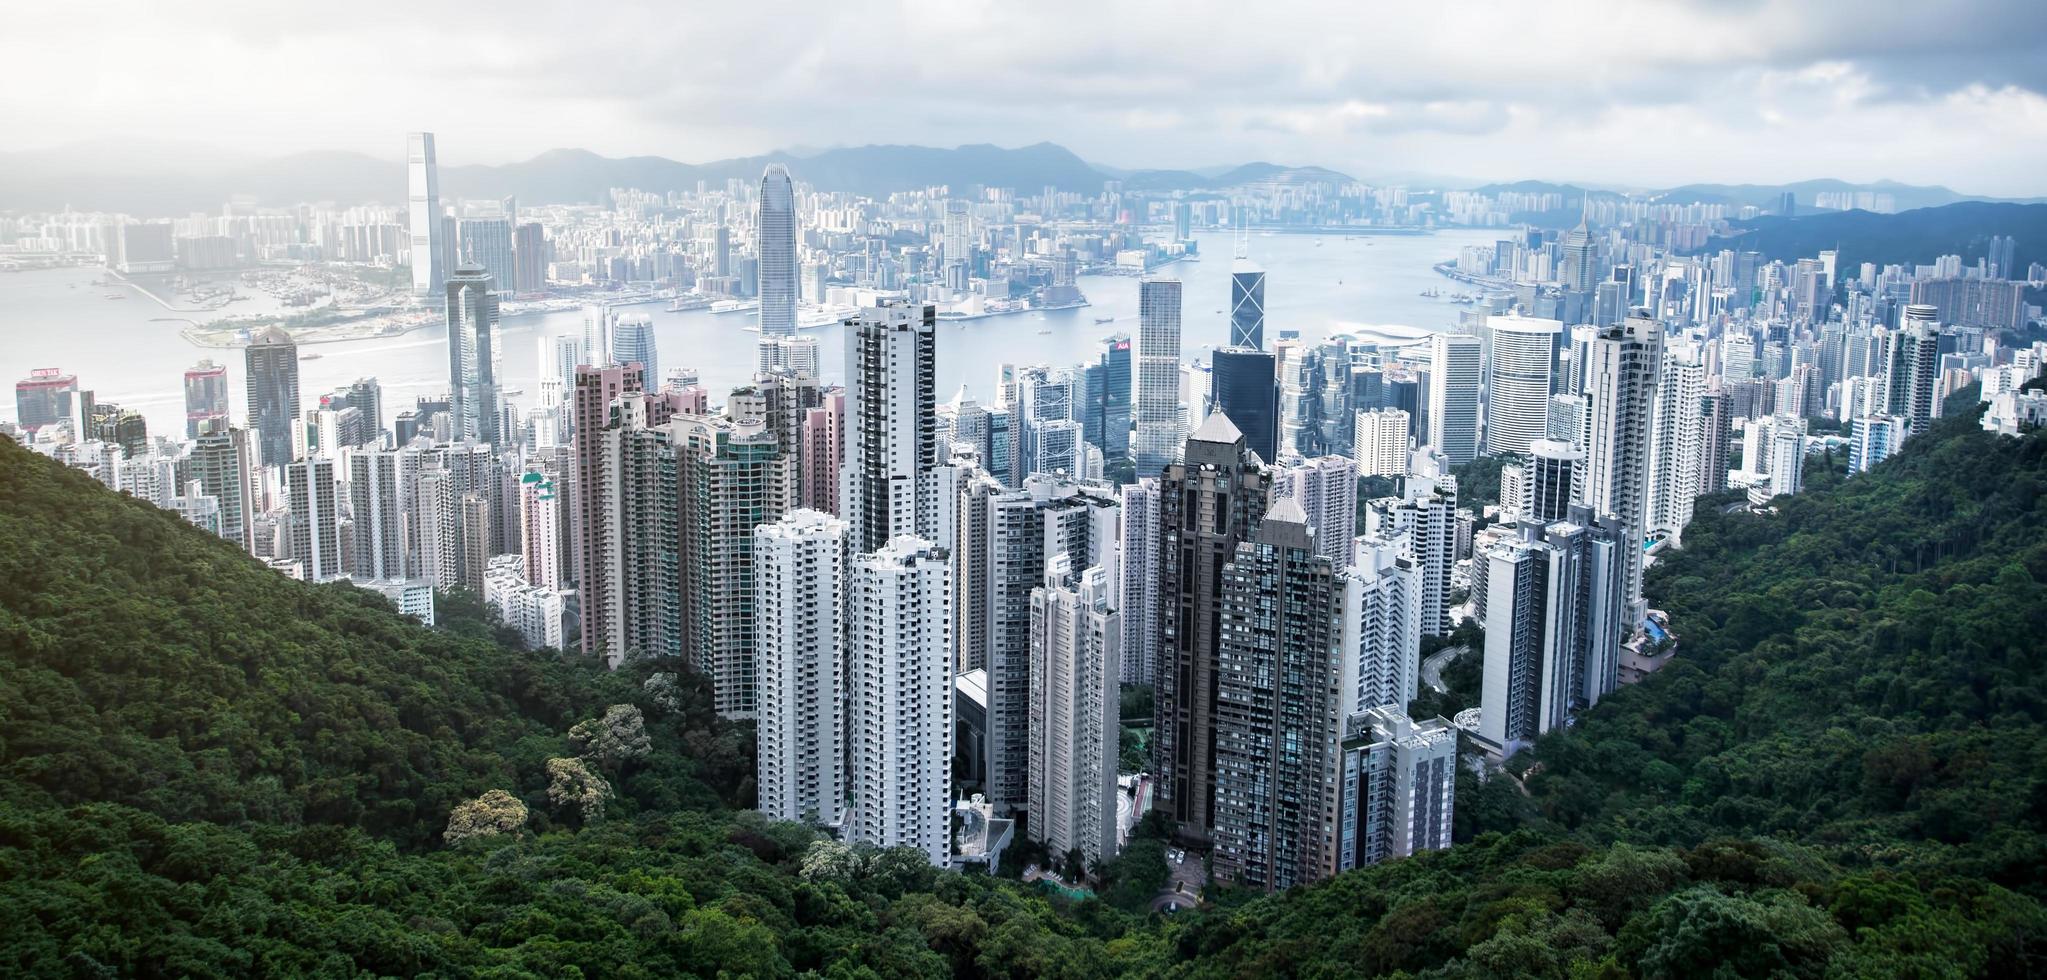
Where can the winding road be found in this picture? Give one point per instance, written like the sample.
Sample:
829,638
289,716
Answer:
1432,666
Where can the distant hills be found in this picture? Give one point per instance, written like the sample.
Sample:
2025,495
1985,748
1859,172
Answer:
158,181
1909,237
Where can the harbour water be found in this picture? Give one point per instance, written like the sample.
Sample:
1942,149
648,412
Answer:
1316,285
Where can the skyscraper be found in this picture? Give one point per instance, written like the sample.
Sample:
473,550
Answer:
1381,652
891,445
774,232
800,567
1075,643
1246,388
1555,477
1158,375
1553,602
729,480
1209,502
1138,551
899,712
380,488
423,198
540,530
1912,368
1424,524
1326,488
1247,305
632,341
205,398
1524,355
1380,442
45,397
315,525
1277,707
488,242
221,464
1675,443
530,258
473,354
1620,381
273,379
1456,370
597,572
1106,418
1398,782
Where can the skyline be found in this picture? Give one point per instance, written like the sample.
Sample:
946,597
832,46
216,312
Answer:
1650,95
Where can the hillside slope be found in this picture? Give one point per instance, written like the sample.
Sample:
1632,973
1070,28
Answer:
207,770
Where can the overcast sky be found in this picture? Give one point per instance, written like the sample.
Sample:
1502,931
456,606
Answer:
1626,92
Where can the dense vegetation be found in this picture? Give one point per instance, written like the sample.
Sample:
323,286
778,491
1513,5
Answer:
1911,237
207,770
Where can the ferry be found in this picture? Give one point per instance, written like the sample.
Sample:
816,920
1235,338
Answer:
311,355
1105,319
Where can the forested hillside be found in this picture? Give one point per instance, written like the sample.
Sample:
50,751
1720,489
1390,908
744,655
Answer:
208,770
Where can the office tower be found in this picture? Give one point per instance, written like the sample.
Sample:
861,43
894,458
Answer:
1026,529
800,571
488,242
116,426
1676,444
221,463
774,245
205,398
1715,422
1621,385
956,231
1106,419
1197,390
273,379
1209,502
1380,443
632,341
473,354
1553,477
1554,598
1424,524
1138,552
597,575
1786,455
1246,388
1158,375
1326,488
1580,269
1247,305
796,355
600,324
1524,355
529,258
1381,652
380,487
1912,368
899,711
315,525
1277,707
1872,439
721,251
1076,638
888,481
1397,787
1456,370
729,480
1047,409
540,530
47,396
423,215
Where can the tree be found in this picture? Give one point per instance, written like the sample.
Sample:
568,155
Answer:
571,783
613,740
493,813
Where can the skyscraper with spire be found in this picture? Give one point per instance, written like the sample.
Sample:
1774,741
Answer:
774,230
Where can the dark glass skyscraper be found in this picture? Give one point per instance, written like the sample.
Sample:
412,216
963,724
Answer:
273,377
1105,421
472,354
1246,388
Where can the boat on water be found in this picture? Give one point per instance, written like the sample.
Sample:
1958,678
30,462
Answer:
117,295
311,355
1045,331
1105,319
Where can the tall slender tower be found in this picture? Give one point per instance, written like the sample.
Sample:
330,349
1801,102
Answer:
595,497
800,569
423,214
205,399
472,354
1624,364
1912,368
1524,358
1075,640
273,378
632,339
774,232
1456,369
1247,304
891,444
1209,502
1158,375
899,715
